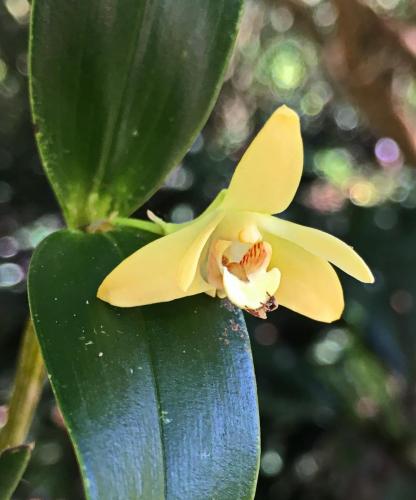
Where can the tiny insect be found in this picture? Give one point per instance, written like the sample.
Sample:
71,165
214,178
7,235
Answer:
266,307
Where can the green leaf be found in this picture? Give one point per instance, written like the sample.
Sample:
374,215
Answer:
160,401
119,91
13,462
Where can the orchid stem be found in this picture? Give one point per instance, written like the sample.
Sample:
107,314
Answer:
30,377
138,224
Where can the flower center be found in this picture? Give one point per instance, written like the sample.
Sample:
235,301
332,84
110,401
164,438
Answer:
239,271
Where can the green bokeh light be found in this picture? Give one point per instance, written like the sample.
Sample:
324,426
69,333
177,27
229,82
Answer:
288,69
335,164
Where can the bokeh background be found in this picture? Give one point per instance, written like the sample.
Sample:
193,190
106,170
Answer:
338,402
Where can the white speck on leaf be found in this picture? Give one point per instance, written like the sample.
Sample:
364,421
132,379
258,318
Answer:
164,417
235,327
100,354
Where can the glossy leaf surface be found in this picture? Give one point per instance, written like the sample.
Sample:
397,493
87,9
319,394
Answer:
13,462
160,401
120,90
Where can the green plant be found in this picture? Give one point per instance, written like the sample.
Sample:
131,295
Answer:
159,401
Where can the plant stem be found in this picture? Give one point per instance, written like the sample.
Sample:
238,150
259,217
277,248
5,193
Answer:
27,389
138,224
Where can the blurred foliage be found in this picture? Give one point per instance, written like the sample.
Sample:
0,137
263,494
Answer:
338,402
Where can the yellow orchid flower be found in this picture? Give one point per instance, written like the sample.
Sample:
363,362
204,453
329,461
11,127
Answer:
237,249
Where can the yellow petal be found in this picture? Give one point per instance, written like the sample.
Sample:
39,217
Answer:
308,285
214,263
156,272
269,172
251,294
321,244
202,228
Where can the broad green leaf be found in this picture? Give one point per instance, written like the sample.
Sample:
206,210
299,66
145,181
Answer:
119,91
13,462
160,401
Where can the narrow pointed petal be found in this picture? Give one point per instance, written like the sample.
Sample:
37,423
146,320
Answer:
203,228
321,244
214,263
268,175
154,273
309,285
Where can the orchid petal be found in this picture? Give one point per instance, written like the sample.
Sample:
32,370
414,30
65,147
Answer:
163,270
192,251
322,244
268,175
214,263
309,285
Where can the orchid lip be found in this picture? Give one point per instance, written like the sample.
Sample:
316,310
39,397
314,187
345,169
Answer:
240,271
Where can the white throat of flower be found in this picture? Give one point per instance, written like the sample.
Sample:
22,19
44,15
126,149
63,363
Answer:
239,270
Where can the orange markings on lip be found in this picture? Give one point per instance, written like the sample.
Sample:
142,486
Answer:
256,257
238,270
